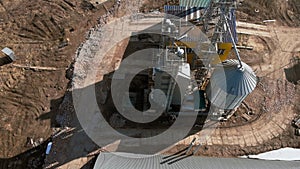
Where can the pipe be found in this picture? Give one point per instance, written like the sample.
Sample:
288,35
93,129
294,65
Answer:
190,146
233,41
185,33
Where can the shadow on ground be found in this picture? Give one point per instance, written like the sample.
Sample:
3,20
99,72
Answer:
30,159
292,73
5,60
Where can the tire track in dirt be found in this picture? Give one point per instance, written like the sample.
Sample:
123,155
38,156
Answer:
41,29
38,32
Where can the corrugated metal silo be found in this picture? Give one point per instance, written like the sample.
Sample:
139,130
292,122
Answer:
230,85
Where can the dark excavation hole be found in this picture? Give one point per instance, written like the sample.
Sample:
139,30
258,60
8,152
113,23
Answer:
140,89
139,92
292,73
86,5
71,30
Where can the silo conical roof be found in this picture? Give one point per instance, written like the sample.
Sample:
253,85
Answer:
230,84
233,79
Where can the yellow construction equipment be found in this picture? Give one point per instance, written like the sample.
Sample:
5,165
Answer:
223,50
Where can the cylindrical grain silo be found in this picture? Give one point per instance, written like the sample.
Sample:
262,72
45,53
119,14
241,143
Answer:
230,84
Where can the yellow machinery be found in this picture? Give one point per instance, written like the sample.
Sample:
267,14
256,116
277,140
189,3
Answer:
224,50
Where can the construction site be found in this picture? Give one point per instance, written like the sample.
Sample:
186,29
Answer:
148,84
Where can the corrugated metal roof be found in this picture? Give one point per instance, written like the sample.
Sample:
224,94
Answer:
195,3
174,10
229,85
132,161
183,12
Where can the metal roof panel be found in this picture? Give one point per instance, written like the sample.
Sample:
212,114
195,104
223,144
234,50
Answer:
7,51
195,3
134,161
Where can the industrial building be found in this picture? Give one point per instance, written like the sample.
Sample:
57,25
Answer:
190,67
134,161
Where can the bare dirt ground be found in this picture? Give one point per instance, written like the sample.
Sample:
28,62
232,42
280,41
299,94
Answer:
255,11
46,34
43,34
